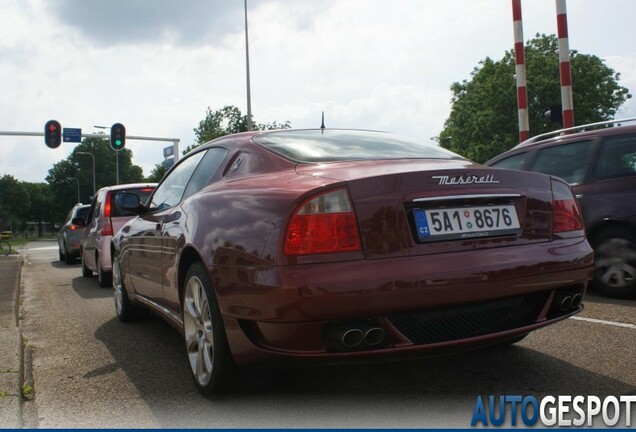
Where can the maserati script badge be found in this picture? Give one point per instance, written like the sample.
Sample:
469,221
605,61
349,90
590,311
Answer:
462,180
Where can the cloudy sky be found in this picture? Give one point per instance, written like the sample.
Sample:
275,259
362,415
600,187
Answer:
156,65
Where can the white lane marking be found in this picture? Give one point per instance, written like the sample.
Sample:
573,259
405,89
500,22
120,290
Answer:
41,248
612,323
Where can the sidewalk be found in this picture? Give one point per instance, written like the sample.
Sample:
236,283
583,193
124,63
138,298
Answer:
10,344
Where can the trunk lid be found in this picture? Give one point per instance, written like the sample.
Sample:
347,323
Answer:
396,201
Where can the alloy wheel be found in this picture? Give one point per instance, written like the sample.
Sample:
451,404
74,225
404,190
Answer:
198,331
118,287
616,263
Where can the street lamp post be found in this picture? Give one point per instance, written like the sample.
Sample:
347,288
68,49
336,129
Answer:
247,69
78,189
93,156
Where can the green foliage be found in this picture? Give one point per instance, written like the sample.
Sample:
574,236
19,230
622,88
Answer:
228,120
14,202
225,121
484,120
28,392
157,173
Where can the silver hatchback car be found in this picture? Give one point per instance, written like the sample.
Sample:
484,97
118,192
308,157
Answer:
70,235
105,219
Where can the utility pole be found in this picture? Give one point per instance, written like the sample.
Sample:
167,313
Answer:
247,68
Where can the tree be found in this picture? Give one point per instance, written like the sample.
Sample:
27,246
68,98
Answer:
157,173
225,121
483,121
14,202
41,204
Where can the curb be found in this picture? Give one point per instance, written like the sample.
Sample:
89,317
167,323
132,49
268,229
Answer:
11,354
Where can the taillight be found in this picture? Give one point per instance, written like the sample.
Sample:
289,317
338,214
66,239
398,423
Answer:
323,224
107,229
566,214
74,227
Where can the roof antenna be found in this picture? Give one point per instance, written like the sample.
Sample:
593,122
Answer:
322,126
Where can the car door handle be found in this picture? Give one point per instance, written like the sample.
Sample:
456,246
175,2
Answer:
579,196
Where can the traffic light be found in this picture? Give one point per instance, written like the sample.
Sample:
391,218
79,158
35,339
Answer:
52,134
118,136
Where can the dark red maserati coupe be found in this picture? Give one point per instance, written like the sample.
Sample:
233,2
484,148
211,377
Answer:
319,246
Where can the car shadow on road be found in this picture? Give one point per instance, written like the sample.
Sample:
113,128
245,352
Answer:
152,355
89,288
62,264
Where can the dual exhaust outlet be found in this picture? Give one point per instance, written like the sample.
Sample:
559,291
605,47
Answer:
564,301
354,337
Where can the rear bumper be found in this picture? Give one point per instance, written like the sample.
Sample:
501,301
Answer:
284,313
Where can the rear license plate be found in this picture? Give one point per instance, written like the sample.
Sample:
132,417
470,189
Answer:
465,222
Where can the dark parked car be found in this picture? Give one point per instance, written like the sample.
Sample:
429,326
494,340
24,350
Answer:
70,235
600,166
319,246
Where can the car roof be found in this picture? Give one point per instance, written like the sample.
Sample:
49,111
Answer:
285,143
128,186
561,136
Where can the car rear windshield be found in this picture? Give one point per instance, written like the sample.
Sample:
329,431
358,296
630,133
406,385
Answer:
144,193
82,212
344,145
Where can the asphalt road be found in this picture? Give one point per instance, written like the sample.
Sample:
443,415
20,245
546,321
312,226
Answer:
89,370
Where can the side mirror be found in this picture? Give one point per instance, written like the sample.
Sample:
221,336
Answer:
129,201
79,221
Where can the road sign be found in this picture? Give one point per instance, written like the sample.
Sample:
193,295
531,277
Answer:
72,135
168,151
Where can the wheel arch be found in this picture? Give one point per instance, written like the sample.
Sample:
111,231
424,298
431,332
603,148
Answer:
188,256
610,224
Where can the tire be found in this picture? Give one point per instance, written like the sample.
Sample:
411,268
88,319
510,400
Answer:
86,272
615,262
208,352
68,258
60,254
126,311
104,278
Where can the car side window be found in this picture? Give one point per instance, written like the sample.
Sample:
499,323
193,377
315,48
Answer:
94,209
209,165
568,161
171,189
513,162
617,158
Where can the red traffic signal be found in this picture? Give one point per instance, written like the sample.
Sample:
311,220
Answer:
53,134
118,136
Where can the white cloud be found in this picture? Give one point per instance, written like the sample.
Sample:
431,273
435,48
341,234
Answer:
366,63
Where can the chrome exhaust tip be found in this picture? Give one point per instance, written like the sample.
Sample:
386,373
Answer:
352,338
374,336
576,300
565,303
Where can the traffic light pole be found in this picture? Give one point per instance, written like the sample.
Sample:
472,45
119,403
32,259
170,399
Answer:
175,141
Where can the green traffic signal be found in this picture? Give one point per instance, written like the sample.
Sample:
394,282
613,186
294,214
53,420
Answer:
118,136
